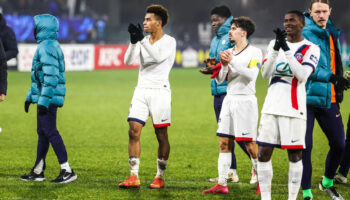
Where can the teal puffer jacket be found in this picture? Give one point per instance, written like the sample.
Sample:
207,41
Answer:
318,87
219,43
47,76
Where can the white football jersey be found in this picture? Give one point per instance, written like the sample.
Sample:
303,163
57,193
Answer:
288,72
242,72
156,61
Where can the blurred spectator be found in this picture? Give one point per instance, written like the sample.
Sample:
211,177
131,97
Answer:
8,39
100,27
3,73
91,35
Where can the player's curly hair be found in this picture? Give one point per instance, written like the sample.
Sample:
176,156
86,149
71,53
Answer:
160,12
222,11
244,23
319,1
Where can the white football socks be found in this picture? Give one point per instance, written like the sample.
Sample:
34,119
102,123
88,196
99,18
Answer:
134,164
39,167
161,167
254,163
295,175
224,163
265,174
66,167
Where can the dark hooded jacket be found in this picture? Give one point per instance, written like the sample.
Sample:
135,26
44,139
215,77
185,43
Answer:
3,70
8,39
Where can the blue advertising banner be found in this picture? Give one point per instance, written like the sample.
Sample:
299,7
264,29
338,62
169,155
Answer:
71,29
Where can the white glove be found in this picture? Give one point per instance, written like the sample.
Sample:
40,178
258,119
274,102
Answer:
347,75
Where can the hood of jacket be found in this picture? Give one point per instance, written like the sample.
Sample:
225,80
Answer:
311,26
46,27
224,28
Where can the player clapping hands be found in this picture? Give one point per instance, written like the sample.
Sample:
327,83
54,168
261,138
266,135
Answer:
280,41
136,33
225,57
209,66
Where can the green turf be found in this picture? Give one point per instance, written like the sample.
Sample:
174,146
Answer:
94,128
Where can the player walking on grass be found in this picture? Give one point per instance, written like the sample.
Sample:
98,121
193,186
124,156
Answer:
288,65
221,22
324,93
152,95
239,114
48,91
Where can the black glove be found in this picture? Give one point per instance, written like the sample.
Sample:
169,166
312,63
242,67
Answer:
339,82
136,33
26,106
277,45
283,41
42,110
132,29
139,33
280,41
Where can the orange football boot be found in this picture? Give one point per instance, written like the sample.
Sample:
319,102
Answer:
157,183
130,182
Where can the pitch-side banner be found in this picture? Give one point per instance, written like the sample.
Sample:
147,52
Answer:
112,57
77,57
25,56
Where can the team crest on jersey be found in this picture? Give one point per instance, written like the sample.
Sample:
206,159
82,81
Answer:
299,56
223,42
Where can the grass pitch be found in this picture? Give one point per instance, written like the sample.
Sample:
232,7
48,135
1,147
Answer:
94,128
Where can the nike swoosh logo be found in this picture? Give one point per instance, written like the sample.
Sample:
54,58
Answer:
65,177
293,141
245,133
337,115
163,120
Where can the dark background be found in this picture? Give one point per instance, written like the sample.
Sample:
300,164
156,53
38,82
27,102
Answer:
185,15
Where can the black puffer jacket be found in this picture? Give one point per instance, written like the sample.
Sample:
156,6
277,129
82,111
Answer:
3,70
8,39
